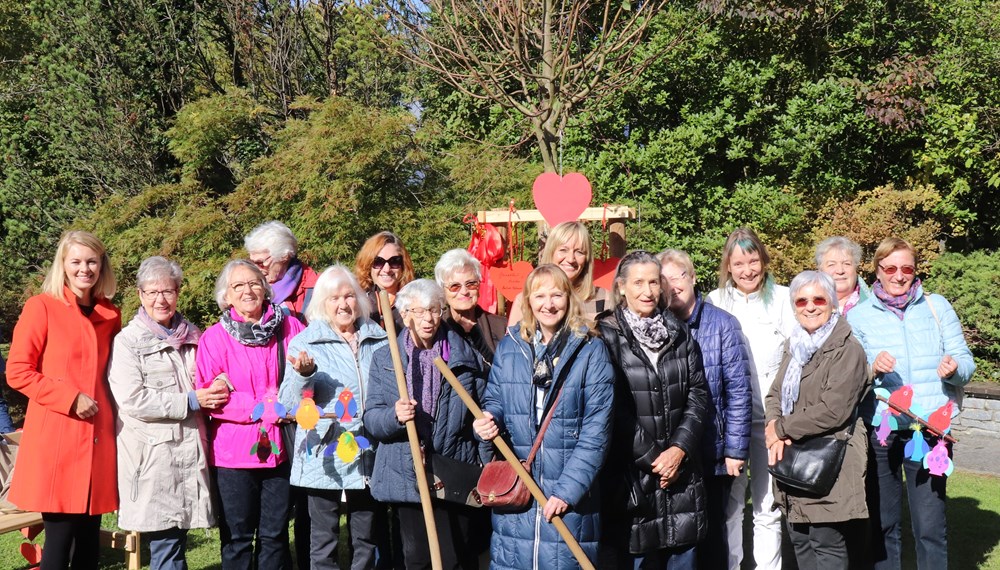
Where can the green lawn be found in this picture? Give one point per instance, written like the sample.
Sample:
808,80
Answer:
973,516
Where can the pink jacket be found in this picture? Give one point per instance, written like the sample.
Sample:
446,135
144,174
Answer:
253,372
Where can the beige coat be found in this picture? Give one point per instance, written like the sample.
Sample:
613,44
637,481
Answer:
163,477
833,383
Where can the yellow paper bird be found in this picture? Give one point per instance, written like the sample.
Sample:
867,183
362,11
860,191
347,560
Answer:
308,414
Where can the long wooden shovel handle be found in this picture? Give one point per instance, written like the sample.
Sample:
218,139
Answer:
411,435
522,473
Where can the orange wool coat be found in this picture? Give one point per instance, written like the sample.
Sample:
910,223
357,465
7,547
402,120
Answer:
65,464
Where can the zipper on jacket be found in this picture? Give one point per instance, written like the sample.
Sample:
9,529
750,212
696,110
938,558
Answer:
361,411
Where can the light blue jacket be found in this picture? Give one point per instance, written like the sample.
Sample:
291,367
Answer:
337,370
918,342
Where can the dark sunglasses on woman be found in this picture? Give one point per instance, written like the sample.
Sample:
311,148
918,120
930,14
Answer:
395,262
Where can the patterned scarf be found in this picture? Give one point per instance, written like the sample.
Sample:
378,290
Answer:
289,282
897,304
852,300
253,334
423,379
180,332
651,332
546,356
802,346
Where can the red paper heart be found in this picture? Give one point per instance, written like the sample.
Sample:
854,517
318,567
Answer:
509,279
604,272
30,532
561,199
31,552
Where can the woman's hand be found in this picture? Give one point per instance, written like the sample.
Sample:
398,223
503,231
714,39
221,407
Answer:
734,466
554,506
213,397
303,364
668,465
405,411
770,434
485,427
84,406
776,452
947,367
884,363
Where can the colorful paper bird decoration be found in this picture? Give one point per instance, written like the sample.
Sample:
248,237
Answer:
916,448
346,407
886,423
264,447
901,398
307,414
938,462
268,410
940,419
348,447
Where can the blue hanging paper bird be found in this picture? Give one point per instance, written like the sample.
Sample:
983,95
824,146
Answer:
348,447
346,407
269,410
916,448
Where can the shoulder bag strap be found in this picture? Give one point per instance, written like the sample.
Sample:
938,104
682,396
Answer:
281,355
542,428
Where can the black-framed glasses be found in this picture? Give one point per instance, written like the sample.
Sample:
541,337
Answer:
395,262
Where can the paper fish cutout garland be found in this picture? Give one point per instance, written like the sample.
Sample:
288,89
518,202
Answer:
940,419
306,413
268,410
264,446
938,462
347,447
346,407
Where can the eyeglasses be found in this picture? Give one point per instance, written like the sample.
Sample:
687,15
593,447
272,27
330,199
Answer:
421,312
456,287
263,263
816,301
241,287
168,294
891,270
676,278
395,262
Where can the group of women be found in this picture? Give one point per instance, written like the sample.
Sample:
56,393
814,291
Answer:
639,410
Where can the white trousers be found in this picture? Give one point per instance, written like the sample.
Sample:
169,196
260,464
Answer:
766,520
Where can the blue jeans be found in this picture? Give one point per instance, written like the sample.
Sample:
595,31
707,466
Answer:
6,426
166,549
925,494
680,558
254,501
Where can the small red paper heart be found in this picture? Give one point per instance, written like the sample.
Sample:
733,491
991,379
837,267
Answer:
509,279
561,199
31,552
30,532
604,272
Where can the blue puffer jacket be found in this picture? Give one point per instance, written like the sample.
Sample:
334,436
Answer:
727,371
337,371
918,342
394,480
572,451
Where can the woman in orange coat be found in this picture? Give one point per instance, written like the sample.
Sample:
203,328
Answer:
66,468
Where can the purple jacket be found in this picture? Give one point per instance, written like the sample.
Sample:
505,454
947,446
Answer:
253,372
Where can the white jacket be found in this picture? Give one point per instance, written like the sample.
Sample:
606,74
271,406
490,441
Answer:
765,326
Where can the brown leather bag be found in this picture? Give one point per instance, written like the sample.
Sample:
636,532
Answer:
499,486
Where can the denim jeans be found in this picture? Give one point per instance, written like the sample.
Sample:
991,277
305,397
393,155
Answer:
820,546
925,494
166,549
324,510
254,501
681,558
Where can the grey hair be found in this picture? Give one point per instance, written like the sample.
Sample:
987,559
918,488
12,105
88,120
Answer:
637,257
838,242
222,283
158,268
420,291
273,237
456,260
330,281
812,277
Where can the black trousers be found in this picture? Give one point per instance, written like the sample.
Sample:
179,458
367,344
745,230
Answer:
453,523
324,510
820,546
71,540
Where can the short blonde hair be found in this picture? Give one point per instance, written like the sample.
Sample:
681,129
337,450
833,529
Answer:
55,279
574,318
889,246
679,258
564,232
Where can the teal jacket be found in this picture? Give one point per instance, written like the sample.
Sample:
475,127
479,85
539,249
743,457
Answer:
918,342
314,464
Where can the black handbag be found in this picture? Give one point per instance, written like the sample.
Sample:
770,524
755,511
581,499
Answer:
454,481
812,465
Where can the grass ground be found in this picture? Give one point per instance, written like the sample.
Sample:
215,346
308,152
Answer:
973,534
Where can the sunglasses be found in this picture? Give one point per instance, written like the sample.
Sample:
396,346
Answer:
456,287
891,270
395,262
816,301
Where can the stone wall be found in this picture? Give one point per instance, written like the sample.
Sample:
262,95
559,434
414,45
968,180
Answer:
980,411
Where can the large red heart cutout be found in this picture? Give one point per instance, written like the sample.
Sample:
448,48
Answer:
604,272
509,279
561,198
32,553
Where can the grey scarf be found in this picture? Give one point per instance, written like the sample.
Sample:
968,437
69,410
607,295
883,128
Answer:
802,346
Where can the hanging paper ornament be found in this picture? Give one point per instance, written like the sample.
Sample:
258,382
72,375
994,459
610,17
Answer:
306,413
901,399
347,447
486,245
938,462
346,407
510,278
940,419
269,410
263,447
917,447
561,198
886,423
